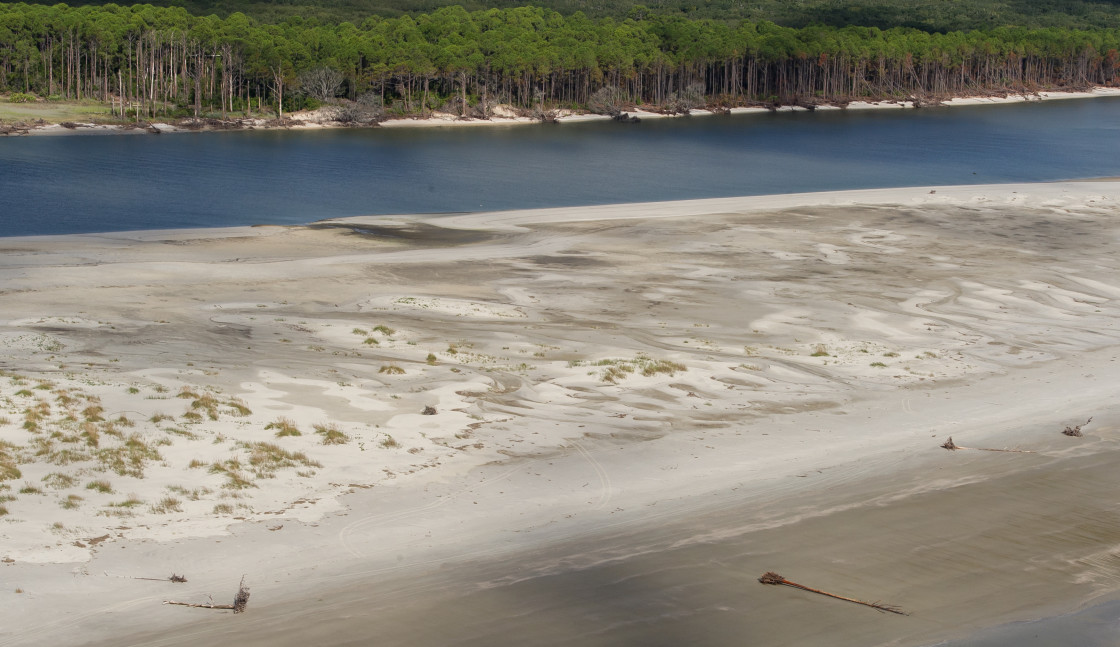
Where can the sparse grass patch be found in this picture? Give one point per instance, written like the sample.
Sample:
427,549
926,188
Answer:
615,370
391,369
91,433
388,442
128,458
9,468
187,393
93,413
133,390
239,408
189,435
384,330
5,420
370,341
168,504
101,485
29,489
284,427
131,502
331,434
653,367
820,351
24,393
431,359
266,458
361,332
208,403
223,508
59,481
158,418
890,354
196,463
71,501
878,364
231,469
193,495
192,416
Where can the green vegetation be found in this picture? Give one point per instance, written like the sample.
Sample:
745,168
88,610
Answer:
231,469
144,61
930,15
266,458
101,485
128,458
167,505
617,369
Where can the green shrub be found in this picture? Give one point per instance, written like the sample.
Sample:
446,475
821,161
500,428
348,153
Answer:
22,97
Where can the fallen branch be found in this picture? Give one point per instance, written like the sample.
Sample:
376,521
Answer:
950,445
1076,431
240,601
773,578
178,579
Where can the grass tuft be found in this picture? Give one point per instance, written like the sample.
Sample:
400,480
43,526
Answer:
101,485
284,427
168,504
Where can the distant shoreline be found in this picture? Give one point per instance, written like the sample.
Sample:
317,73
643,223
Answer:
320,119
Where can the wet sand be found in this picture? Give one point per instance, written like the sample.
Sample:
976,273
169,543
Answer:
639,409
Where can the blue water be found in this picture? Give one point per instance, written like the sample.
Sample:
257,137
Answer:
52,185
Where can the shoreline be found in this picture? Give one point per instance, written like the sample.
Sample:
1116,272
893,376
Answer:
316,120
597,411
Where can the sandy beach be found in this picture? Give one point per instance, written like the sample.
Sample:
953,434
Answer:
41,120
592,426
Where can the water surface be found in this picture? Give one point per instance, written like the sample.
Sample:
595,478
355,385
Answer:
77,184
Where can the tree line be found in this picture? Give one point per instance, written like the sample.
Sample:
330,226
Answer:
156,61
927,15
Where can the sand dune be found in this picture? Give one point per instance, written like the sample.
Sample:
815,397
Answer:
372,418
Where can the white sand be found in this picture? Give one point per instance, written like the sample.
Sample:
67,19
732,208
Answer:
507,116
587,368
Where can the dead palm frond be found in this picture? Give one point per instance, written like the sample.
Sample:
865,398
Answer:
775,579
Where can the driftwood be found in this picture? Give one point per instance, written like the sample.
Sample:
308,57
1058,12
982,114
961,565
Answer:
1076,431
775,579
240,601
950,445
178,579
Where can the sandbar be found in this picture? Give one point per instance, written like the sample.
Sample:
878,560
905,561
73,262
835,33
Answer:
592,425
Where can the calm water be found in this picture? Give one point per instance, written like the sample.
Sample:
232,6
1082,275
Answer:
54,185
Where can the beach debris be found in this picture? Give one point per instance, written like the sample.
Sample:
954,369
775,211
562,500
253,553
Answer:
429,411
177,579
240,601
770,577
1076,431
950,445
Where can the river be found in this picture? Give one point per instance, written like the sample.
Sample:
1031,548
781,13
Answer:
83,184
